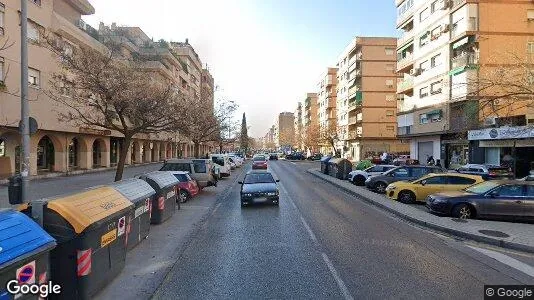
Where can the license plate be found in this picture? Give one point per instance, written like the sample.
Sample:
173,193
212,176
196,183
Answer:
262,199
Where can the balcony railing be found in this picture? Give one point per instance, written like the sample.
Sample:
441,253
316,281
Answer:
405,84
404,130
405,61
456,3
464,59
405,16
352,120
408,35
470,26
355,103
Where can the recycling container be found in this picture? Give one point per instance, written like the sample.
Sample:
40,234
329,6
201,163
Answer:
89,228
340,168
24,252
141,194
325,163
167,191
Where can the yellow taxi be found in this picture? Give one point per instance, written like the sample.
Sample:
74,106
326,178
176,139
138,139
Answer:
418,190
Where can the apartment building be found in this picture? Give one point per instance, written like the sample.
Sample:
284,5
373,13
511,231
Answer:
366,106
326,102
445,46
284,130
60,146
310,122
298,129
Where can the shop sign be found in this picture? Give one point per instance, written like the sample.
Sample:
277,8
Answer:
506,143
501,133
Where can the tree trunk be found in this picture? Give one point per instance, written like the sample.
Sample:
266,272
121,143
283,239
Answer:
220,147
122,157
197,150
514,162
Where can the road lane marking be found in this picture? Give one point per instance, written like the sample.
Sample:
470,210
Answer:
507,260
341,285
337,278
293,162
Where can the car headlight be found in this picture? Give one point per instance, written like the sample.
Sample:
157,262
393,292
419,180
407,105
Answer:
391,187
368,179
439,200
272,193
246,195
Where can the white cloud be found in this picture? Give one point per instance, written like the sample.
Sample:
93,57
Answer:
255,66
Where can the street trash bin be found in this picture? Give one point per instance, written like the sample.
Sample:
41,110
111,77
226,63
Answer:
340,168
324,164
14,189
89,228
24,252
166,198
141,194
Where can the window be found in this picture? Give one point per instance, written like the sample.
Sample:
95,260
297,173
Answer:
530,14
423,119
389,113
530,47
181,177
34,77
390,128
461,180
423,92
530,189
401,172
405,7
434,6
424,14
2,15
176,167
435,33
436,180
33,32
390,51
424,39
435,88
511,190
424,66
418,172
200,166
435,60
389,83
390,97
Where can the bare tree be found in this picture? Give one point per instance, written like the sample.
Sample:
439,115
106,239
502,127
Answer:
107,91
312,136
329,134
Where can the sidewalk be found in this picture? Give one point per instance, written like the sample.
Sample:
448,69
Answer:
520,235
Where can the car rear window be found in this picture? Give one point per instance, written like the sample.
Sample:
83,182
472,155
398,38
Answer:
176,167
200,166
259,158
182,177
218,160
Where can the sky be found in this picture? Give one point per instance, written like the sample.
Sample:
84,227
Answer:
263,54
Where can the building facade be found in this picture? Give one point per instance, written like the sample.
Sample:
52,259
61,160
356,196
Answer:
297,121
310,123
444,48
285,130
367,90
326,105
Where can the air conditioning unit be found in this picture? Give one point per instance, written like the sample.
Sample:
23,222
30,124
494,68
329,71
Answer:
415,71
529,119
446,28
490,121
446,4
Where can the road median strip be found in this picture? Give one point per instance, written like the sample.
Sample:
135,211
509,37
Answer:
521,235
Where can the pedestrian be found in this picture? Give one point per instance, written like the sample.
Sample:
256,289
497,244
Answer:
438,163
430,161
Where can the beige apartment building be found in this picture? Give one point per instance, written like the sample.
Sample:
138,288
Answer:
297,121
445,48
60,146
367,102
310,122
326,102
284,130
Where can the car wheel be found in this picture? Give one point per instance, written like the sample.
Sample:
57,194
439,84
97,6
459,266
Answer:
184,196
463,211
359,180
406,197
380,187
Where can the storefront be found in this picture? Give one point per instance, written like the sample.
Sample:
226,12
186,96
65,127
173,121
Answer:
501,146
421,148
454,150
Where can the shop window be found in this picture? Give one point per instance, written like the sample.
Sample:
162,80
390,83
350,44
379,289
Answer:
492,156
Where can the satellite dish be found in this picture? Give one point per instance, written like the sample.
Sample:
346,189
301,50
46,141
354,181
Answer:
33,126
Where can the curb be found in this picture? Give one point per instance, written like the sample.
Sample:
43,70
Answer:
79,172
461,234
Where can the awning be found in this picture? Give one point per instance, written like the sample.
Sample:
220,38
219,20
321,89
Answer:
457,70
435,112
405,47
460,43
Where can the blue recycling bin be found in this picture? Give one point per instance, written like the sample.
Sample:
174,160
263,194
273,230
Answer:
24,252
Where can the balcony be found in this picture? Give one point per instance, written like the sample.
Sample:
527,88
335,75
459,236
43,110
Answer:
405,16
464,59
329,80
352,120
355,104
156,66
457,3
464,28
405,63
87,36
354,135
405,86
405,38
404,130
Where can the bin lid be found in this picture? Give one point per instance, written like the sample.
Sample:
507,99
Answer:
326,158
88,207
339,161
162,178
134,189
20,236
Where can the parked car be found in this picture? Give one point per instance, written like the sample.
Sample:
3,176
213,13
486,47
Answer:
409,192
358,177
233,164
487,171
236,159
500,199
295,156
315,156
273,156
259,187
379,183
223,163
259,162
188,186
199,169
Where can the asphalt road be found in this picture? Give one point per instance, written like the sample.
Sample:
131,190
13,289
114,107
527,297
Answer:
322,243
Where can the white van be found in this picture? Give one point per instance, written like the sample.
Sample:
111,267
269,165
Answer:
236,159
223,162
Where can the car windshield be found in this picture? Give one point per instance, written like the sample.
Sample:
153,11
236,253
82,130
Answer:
182,177
259,158
482,187
259,178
